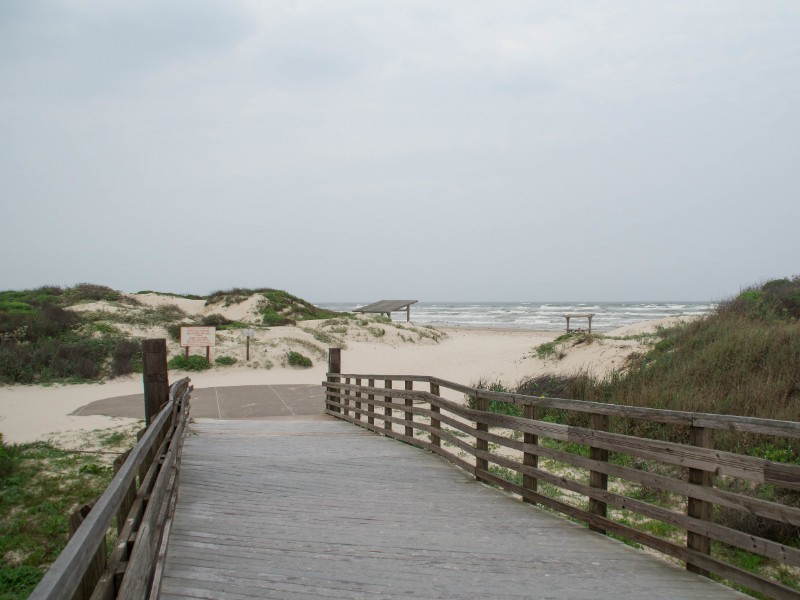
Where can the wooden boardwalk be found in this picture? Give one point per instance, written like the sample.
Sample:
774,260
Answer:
313,509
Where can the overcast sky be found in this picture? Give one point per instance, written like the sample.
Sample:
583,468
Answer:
357,150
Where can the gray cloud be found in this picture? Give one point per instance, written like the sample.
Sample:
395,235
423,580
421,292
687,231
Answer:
590,150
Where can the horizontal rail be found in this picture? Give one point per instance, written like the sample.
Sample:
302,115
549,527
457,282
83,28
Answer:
524,452
65,575
789,429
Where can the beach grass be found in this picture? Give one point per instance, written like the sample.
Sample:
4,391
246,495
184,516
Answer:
40,485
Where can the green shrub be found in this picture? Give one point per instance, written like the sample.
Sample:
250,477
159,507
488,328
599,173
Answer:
70,358
101,327
215,320
13,306
6,461
298,360
90,292
225,360
19,582
232,325
777,299
127,357
174,331
495,406
42,321
274,319
193,363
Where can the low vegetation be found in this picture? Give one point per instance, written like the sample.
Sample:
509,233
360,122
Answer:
41,341
193,362
71,335
40,485
277,308
295,359
742,359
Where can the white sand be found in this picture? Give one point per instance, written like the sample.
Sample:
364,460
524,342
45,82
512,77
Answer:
29,413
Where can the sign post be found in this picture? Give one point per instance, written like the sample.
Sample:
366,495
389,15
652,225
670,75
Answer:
248,333
199,336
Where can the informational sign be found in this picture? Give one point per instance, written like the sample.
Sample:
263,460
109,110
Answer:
205,337
248,333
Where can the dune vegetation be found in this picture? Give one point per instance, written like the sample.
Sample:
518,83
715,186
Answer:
89,332
742,359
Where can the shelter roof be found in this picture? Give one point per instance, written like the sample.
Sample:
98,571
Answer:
386,306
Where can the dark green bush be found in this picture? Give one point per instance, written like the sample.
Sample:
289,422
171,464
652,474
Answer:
127,357
193,363
274,319
6,461
776,299
225,360
19,581
298,360
90,292
216,320
71,358
41,321
174,331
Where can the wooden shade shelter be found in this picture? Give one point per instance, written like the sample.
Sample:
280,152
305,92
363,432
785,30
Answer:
387,307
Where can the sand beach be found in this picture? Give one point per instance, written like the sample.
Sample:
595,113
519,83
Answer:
30,413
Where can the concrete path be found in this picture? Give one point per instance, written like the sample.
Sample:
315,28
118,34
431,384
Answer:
323,509
233,402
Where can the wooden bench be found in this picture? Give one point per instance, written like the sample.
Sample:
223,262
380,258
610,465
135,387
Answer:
585,316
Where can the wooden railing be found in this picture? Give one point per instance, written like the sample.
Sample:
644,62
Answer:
141,497
524,451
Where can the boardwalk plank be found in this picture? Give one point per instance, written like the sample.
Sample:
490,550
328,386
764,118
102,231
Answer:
315,509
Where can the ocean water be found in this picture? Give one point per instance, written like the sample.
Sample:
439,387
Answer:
537,315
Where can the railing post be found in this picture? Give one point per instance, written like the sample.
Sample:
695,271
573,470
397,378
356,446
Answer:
95,570
370,405
409,416
435,423
528,458
699,509
481,464
358,401
334,367
387,411
596,478
155,376
346,400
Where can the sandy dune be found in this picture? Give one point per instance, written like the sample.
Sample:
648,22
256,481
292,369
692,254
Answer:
29,413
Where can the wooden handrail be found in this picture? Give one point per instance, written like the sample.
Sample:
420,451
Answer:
789,429
455,430
66,573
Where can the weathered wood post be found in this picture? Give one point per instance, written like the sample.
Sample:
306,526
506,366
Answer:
435,423
98,564
334,368
387,410
358,401
481,445
699,509
346,399
154,376
596,478
370,405
530,459
409,416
